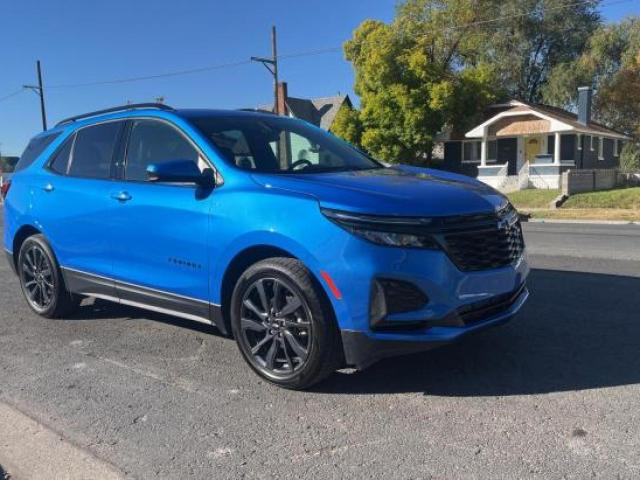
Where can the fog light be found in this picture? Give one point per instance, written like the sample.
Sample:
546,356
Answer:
390,296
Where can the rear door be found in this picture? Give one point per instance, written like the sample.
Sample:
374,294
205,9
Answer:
76,210
162,257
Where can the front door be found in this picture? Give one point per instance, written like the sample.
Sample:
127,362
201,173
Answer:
508,153
163,248
532,147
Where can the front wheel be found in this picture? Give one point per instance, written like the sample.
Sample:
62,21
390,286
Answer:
284,325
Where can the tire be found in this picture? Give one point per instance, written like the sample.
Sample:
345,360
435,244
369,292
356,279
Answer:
41,280
294,341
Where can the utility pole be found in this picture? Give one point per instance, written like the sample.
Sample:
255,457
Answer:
271,64
39,90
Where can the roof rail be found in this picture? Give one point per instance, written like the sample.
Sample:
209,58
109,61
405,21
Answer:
257,110
122,108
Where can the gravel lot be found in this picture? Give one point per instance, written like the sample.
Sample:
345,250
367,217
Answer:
553,394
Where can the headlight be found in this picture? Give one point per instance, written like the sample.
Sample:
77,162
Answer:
390,231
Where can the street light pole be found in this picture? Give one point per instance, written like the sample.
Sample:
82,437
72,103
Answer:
39,90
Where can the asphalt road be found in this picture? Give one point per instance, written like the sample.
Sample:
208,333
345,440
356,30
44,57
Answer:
553,394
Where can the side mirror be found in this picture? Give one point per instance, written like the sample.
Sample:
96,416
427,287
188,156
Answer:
180,171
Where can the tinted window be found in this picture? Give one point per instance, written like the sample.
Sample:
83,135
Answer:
156,142
60,161
34,149
93,150
268,143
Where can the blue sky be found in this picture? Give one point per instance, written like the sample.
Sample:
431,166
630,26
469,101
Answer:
81,41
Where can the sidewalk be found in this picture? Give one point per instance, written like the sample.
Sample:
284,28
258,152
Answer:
31,451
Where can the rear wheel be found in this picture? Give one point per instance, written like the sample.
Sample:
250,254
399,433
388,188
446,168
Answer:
283,324
41,280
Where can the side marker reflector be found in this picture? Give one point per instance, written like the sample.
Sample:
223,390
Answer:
332,286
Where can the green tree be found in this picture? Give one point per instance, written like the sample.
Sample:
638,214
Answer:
439,63
347,125
532,38
630,157
611,64
409,80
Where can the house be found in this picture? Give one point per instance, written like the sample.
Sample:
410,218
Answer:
522,145
319,111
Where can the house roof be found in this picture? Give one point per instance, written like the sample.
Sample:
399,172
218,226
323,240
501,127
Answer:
560,120
320,111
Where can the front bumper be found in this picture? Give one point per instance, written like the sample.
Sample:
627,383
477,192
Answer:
361,349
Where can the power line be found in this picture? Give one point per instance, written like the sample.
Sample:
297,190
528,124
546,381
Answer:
154,76
13,94
304,53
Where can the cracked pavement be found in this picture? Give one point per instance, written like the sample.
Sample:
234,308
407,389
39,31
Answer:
553,394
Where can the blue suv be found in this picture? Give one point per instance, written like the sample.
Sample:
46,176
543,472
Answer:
311,254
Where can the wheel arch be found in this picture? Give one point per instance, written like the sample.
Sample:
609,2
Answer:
243,260
24,232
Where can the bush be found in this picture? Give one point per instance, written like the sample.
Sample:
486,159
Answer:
630,158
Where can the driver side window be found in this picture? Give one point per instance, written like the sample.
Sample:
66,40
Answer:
152,141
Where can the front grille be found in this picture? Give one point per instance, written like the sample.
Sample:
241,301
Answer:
491,242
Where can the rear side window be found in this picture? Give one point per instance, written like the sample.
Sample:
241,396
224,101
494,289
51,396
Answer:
35,147
93,150
156,142
60,162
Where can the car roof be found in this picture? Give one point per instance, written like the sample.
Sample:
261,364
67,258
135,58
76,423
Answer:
185,113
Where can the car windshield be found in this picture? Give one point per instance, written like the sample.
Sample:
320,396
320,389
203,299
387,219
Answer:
264,143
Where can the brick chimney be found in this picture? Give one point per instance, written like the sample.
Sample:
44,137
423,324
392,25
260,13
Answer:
281,108
584,105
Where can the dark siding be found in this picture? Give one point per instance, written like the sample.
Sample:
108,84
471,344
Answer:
590,158
453,160
609,159
567,147
452,156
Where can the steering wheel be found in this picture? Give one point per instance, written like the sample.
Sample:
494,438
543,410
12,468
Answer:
303,162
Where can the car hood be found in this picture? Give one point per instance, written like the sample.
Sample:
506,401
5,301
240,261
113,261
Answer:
398,190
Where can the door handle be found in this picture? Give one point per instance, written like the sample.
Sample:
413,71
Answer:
121,196
48,188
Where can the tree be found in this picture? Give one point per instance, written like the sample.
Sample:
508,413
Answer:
611,65
409,79
533,37
347,125
439,63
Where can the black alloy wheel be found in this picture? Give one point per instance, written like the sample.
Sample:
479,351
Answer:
37,277
276,325
284,324
41,280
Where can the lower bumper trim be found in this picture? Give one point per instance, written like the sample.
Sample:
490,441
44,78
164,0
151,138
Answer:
9,256
362,350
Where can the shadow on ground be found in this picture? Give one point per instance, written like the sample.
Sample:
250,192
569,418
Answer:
578,331
97,309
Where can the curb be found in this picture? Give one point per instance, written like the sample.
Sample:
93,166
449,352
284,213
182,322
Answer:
31,451
588,222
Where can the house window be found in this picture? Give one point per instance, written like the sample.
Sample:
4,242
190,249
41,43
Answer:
471,152
600,148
